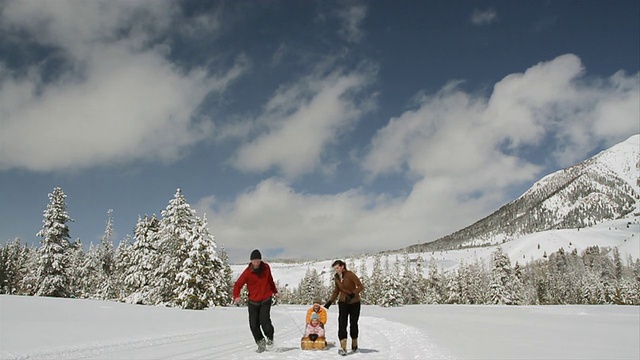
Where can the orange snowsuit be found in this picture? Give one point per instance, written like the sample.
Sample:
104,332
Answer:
322,315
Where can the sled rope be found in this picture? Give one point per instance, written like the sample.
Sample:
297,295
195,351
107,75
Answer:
286,309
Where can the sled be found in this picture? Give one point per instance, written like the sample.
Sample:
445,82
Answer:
308,344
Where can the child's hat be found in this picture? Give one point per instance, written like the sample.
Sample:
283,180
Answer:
314,316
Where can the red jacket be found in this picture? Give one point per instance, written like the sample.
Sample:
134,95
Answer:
259,283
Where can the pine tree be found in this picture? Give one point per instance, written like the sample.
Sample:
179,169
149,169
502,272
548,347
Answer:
53,263
227,275
365,279
287,296
310,287
4,276
391,287
139,280
451,288
351,264
503,286
76,260
464,280
178,220
474,283
13,267
435,284
29,283
617,261
90,271
200,281
122,262
426,295
409,282
105,262
375,286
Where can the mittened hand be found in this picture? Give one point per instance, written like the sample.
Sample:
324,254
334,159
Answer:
327,304
349,298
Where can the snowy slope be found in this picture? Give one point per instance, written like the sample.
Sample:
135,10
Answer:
48,328
601,188
622,233
622,160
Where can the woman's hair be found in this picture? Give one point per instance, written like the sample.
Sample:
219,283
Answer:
339,262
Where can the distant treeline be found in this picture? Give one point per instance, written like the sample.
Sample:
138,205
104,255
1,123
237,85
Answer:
596,276
174,261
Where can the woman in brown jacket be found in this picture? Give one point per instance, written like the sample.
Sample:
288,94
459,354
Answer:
347,290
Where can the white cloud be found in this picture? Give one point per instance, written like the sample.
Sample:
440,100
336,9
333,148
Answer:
119,100
614,112
352,15
77,27
275,216
272,215
300,121
447,137
483,17
453,133
461,151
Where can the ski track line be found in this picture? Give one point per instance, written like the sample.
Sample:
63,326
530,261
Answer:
287,338
401,341
240,349
204,348
201,347
387,340
110,349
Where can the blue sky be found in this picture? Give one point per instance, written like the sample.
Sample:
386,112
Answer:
308,129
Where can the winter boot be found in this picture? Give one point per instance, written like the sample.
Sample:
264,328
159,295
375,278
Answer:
262,345
343,347
354,344
269,344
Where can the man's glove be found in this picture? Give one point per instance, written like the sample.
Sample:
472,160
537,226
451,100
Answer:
327,304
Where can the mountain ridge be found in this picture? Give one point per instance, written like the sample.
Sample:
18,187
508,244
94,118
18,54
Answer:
603,187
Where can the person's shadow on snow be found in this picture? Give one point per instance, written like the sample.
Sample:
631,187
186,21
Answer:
285,349
367,351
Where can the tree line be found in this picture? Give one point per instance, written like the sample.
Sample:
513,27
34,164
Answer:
174,261
170,261
595,276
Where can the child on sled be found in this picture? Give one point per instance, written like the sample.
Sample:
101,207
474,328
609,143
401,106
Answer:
313,334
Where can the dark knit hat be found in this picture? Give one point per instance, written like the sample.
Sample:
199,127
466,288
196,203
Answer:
317,301
255,255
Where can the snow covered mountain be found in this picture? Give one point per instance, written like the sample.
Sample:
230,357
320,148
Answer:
604,187
596,202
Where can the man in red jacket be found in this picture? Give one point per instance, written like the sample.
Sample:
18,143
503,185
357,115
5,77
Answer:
261,289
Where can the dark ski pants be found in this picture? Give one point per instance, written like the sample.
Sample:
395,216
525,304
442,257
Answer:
260,316
348,313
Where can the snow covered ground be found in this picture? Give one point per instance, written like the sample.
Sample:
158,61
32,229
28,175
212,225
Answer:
49,328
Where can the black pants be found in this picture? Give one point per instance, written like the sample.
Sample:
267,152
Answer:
260,316
350,313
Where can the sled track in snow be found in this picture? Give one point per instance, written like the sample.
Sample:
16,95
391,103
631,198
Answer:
113,348
246,347
390,340
379,339
184,345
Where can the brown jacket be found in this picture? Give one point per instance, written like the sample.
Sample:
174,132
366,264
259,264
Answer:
348,284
